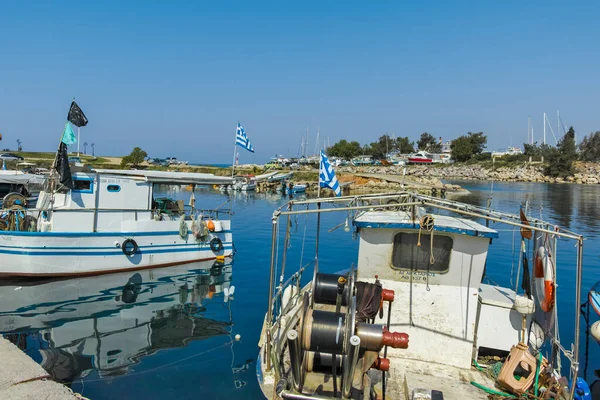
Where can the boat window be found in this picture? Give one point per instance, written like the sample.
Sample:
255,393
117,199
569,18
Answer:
407,255
82,185
113,188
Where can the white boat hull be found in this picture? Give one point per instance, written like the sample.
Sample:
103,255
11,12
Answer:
80,253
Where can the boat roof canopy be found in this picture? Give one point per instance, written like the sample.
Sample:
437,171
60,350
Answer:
170,178
442,223
22,179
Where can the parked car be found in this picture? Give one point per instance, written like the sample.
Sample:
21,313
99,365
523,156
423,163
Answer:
10,156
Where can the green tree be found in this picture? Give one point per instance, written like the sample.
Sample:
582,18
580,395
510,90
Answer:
345,149
536,151
466,146
381,147
560,159
404,145
590,147
426,141
462,149
135,158
532,150
478,141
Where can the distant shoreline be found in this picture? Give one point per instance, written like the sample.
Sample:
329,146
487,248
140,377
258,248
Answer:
433,174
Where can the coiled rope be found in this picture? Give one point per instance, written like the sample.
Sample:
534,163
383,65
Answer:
426,223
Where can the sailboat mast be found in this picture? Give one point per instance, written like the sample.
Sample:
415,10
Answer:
306,142
387,147
544,128
317,143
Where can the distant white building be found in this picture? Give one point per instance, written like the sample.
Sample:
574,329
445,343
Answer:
446,147
510,151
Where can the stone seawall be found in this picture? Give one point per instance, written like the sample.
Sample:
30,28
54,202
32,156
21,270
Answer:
586,173
23,378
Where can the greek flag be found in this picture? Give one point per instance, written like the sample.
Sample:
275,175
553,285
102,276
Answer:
327,176
242,140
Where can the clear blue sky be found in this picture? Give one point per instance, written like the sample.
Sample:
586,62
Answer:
175,77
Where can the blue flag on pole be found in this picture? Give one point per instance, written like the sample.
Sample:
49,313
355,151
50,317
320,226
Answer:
68,136
242,140
327,176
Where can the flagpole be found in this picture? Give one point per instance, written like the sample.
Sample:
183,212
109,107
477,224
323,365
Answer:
318,215
78,141
234,149
319,177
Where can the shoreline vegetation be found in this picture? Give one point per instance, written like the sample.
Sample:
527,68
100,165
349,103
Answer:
376,178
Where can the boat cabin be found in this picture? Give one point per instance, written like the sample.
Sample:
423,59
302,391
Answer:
436,266
106,200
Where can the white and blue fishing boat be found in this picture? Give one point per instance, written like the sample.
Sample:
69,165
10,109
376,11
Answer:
363,160
111,220
414,319
280,176
297,188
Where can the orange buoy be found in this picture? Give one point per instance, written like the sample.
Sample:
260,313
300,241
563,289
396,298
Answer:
544,279
210,225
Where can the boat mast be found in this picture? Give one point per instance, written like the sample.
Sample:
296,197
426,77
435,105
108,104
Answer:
305,142
387,147
528,130
544,128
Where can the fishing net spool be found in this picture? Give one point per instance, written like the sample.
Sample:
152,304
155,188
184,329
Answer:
13,216
14,199
341,310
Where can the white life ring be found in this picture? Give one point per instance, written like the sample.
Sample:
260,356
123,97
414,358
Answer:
544,278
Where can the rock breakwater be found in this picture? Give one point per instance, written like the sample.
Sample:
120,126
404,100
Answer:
586,173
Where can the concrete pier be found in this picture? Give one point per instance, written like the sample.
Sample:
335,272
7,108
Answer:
23,378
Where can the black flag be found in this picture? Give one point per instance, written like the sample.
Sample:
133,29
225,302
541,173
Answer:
62,166
76,116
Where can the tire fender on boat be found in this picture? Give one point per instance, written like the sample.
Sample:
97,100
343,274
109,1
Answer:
544,279
129,247
216,245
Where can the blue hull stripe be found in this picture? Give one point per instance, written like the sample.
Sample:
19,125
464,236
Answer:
116,252
153,246
96,234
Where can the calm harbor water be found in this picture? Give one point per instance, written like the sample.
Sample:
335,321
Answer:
171,332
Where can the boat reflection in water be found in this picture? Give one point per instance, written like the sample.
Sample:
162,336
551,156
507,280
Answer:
108,323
